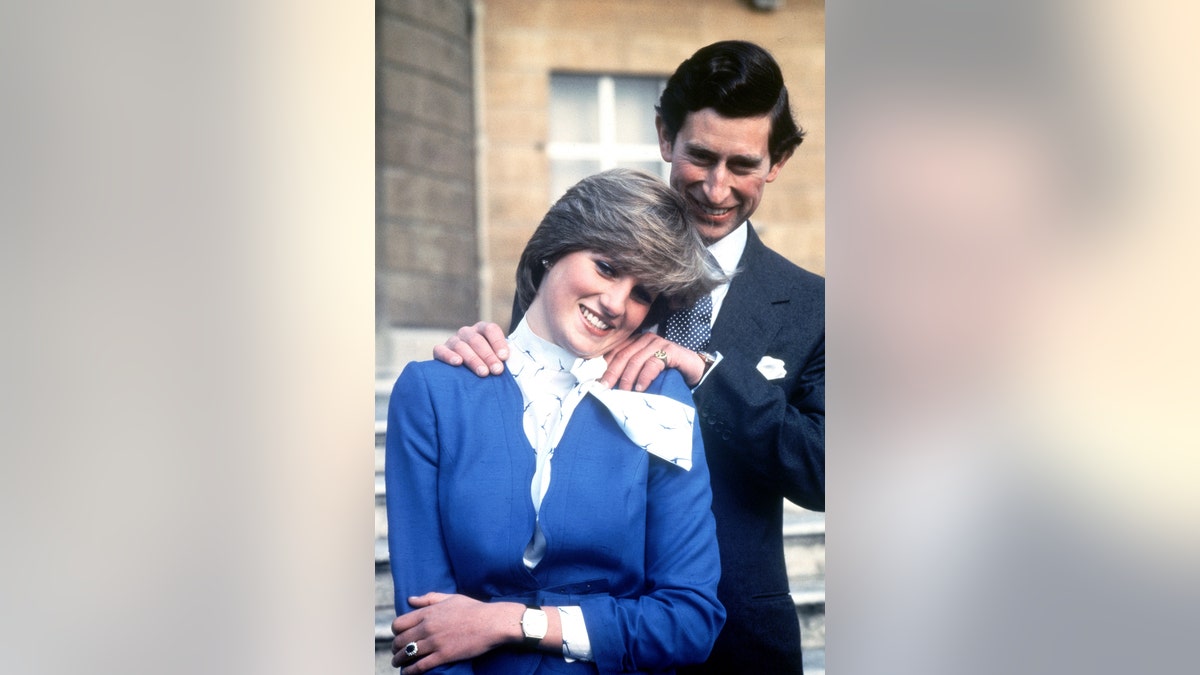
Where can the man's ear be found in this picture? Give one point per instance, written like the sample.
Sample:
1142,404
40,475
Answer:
778,166
665,145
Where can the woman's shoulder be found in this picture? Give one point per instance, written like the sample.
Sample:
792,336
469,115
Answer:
670,383
435,375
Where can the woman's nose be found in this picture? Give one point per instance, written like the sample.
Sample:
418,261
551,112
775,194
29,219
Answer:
613,300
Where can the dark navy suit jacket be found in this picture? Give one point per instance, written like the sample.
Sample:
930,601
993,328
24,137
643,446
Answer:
765,441
629,537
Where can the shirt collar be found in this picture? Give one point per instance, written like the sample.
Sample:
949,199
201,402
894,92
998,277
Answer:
728,249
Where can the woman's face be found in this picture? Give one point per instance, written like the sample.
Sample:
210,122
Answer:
587,305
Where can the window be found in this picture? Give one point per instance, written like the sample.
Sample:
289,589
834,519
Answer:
600,122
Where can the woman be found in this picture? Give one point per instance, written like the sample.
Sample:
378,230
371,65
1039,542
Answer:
537,521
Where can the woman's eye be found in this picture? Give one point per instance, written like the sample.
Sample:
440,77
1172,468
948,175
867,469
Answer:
605,268
642,295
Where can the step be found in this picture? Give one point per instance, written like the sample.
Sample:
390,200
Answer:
814,661
804,554
809,600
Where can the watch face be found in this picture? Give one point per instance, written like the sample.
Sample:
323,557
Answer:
534,623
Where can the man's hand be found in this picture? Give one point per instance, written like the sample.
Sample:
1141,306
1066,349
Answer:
632,366
448,628
482,348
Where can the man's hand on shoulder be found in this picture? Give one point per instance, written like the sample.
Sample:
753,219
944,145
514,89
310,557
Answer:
482,348
633,365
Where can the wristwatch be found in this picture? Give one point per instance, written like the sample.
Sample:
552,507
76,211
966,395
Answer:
709,360
534,625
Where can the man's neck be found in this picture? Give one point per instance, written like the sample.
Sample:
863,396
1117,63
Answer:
728,249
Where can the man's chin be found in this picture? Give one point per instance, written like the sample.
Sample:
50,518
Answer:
712,232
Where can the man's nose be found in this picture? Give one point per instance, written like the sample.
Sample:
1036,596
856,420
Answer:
716,186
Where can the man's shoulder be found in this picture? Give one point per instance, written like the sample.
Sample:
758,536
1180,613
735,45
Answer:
771,264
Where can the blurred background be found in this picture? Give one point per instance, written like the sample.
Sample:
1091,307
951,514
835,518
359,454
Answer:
193,244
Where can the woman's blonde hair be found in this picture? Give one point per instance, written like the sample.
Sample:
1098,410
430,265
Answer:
638,222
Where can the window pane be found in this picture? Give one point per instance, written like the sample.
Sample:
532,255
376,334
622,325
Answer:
636,98
566,172
652,168
574,109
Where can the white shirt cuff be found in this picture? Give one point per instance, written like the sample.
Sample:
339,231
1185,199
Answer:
716,362
576,646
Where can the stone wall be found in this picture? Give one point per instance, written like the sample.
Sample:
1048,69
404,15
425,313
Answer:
427,267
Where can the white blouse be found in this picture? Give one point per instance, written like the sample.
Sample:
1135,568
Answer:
543,372
553,381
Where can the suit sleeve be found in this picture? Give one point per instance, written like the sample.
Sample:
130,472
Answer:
411,475
677,620
778,434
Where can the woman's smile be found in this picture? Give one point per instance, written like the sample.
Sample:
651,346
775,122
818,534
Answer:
594,320
587,305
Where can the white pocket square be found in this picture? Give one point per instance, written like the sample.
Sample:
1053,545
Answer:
771,368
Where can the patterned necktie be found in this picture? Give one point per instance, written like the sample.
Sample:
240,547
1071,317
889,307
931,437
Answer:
691,327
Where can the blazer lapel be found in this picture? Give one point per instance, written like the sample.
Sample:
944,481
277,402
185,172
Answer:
748,319
522,458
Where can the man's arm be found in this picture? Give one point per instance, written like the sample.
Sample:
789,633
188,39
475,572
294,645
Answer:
778,434
482,348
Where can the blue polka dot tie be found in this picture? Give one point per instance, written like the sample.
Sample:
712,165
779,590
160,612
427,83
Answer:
690,327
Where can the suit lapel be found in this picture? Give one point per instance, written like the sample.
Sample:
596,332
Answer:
749,316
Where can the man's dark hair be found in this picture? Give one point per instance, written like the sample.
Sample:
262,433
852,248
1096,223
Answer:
737,79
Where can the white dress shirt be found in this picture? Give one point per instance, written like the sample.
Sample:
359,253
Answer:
727,251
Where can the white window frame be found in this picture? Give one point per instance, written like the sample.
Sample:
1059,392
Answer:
607,150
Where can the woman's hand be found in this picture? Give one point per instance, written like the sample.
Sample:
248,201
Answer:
448,628
633,365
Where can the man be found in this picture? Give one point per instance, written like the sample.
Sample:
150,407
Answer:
756,346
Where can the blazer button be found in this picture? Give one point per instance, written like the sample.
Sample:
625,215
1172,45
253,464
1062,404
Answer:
725,436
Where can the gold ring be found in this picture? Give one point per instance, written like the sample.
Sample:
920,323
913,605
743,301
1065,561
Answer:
661,356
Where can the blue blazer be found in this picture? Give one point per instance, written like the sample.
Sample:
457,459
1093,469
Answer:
629,537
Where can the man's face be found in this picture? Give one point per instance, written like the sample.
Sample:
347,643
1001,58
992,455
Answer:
720,165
